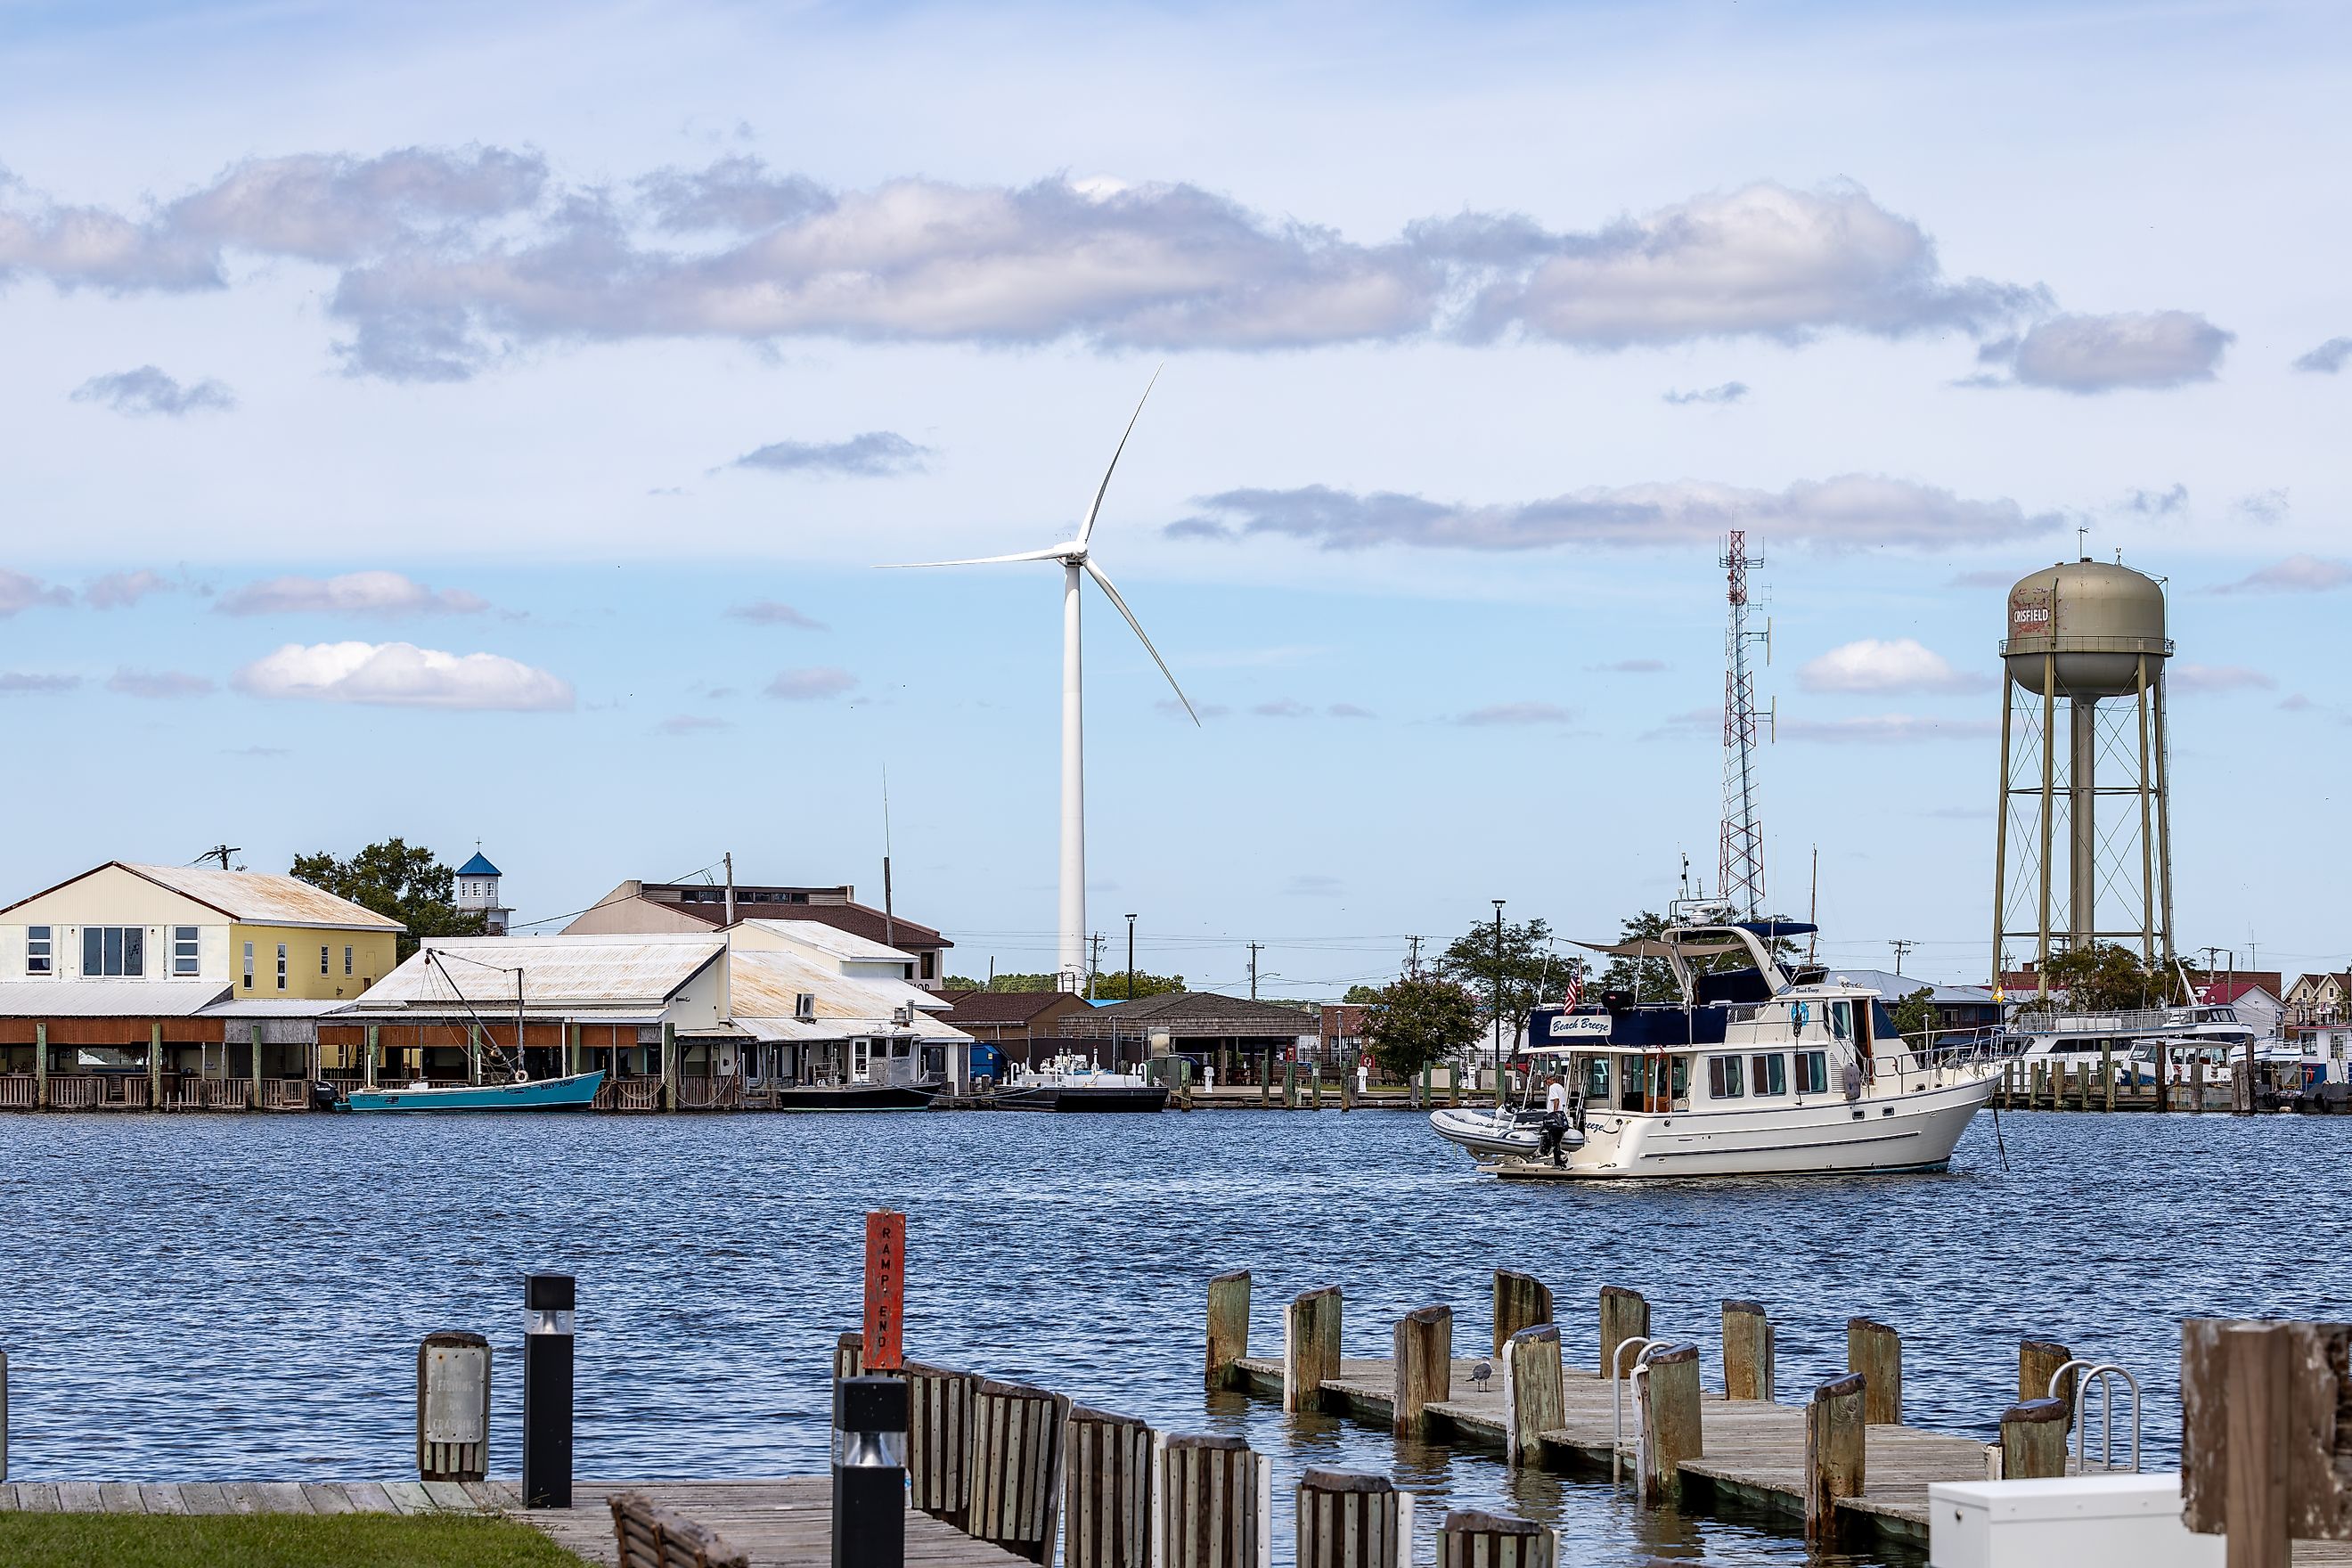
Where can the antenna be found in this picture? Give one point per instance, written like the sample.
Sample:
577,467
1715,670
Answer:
1739,872
220,852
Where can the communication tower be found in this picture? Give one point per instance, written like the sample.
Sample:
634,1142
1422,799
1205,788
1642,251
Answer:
1740,875
2084,767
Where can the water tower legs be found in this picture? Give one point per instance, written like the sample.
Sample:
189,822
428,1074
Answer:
2081,820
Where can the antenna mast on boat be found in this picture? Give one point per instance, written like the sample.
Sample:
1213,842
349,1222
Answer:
1739,877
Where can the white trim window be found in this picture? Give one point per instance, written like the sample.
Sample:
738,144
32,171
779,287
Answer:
183,950
115,951
248,966
40,957
281,966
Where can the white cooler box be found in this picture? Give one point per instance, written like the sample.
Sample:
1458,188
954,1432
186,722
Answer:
2081,1521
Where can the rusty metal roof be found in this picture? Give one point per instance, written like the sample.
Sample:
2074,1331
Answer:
768,985
263,898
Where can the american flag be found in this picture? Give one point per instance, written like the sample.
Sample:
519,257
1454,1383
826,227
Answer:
1575,988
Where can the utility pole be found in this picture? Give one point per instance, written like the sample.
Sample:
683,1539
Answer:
1255,948
1499,1005
1412,964
729,859
220,852
1902,946
1131,958
1094,961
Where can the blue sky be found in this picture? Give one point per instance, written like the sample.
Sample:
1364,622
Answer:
380,385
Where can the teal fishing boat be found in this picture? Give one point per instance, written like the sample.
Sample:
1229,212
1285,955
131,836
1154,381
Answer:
577,1092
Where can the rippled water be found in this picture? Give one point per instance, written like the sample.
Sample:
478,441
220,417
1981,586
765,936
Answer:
183,1298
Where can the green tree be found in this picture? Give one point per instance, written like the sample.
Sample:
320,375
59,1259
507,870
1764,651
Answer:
1523,962
2106,977
1418,1019
409,883
1915,1017
1110,985
1361,995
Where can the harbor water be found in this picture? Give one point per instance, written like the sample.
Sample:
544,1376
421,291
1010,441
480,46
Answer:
240,1298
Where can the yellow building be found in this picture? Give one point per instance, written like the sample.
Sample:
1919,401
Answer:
263,935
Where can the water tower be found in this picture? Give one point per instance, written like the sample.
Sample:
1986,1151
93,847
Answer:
2084,847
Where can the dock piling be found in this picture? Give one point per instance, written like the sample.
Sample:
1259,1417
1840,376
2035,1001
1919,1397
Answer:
1310,1347
2033,1440
1833,1453
849,1355
453,1406
1229,1309
1016,1460
1471,1539
3,1415
1747,1369
1347,1520
1875,1351
1424,1364
1534,1401
2038,1361
1624,1315
1107,1491
1216,1505
1521,1302
1670,1418
940,1441
2196,1082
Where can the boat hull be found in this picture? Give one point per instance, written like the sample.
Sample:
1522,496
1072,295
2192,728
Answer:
1481,1135
1831,1136
853,1097
1085,1098
577,1092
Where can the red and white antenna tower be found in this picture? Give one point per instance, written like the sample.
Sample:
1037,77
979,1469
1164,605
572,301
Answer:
1739,875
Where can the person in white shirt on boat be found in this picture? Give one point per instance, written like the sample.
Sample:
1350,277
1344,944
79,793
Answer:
1554,1121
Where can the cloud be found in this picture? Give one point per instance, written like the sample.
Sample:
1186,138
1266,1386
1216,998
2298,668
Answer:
158,683
769,612
1885,729
1283,708
2157,504
1307,886
2296,575
2188,677
1518,713
19,591
1902,664
2263,506
1349,711
148,390
2088,354
1169,708
89,248
402,675
810,685
352,593
875,455
1729,392
121,590
2327,358
2296,702
1851,511
692,725
333,208
14,682
1628,666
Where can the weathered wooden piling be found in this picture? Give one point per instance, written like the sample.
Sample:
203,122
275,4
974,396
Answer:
940,1415
1347,1090
3,1415
1534,1400
1875,1351
453,1406
849,1355
1747,1369
1833,1453
1624,1315
1016,1457
646,1536
2266,1452
1347,1520
2107,1075
1521,1302
2163,1066
2033,1440
2196,1082
1229,1311
1214,1504
1310,1347
1106,1464
1471,1539
1424,1365
1670,1418
2038,1361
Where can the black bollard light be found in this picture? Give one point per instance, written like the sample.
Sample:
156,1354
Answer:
869,1473
547,1391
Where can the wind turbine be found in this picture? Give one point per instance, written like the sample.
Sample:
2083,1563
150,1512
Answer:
1078,559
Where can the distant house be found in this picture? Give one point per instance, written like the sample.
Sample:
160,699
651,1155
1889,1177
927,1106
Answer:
1954,1007
2253,1004
2319,998
696,907
1016,1022
1233,1034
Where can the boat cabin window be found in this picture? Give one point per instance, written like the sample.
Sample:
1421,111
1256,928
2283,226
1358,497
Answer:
1813,1072
1596,1080
1723,1078
1882,1023
1842,1020
1768,1075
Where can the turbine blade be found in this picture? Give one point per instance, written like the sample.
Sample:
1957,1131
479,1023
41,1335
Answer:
1103,583
1087,529
1053,554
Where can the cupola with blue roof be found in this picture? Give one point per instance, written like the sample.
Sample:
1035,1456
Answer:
477,892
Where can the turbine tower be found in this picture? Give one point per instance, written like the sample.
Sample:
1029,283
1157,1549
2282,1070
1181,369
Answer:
1078,559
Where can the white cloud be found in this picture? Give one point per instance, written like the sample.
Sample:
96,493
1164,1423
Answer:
1886,729
14,683
121,590
1518,713
402,675
158,683
2187,677
1850,511
875,455
2327,358
19,591
2157,504
1901,665
2087,355
2296,575
148,391
352,593
1729,392
810,685
333,208
1349,711
1283,708
769,613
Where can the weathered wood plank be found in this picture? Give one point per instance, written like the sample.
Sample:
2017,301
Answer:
120,1496
328,1496
78,1497
162,1497
205,1497
407,1497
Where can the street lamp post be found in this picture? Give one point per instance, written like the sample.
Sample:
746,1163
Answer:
1131,958
1499,1005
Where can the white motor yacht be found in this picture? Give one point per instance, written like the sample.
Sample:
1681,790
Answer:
1748,1073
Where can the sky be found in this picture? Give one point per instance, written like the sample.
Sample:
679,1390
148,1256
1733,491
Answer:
486,426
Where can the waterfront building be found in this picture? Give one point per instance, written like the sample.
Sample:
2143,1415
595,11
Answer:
702,907
1021,1027
2254,1004
1953,1006
477,893
1240,1037
2319,998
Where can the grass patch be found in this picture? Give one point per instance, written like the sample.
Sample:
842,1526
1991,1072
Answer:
274,1541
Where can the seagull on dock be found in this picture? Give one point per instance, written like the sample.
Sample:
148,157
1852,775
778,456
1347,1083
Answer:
1480,1373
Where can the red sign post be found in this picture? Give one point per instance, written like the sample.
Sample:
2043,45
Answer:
885,1290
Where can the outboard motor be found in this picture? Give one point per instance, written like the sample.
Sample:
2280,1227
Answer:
324,1096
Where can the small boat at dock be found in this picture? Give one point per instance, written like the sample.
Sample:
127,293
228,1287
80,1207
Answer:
575,1092
1069,1083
